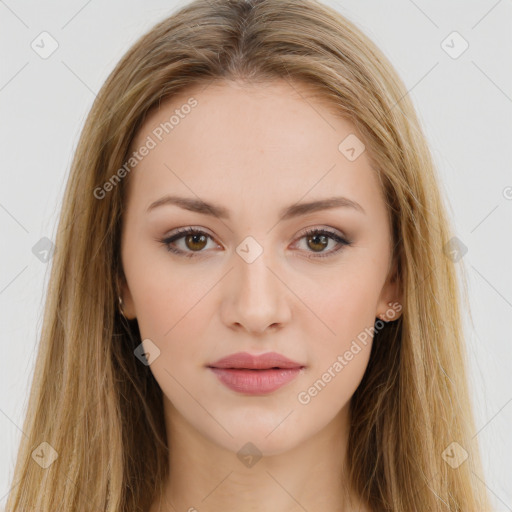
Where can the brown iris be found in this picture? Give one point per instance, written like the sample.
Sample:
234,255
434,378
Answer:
320,245
196,239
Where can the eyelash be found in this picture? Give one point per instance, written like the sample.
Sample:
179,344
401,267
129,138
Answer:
182,232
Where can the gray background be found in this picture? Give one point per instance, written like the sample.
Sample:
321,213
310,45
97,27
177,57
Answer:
464,104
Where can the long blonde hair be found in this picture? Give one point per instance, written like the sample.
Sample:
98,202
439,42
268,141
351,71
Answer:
101,410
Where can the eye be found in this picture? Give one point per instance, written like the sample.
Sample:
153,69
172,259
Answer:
196,240
318,239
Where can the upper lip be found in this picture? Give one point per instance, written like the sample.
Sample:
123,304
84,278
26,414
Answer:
244,360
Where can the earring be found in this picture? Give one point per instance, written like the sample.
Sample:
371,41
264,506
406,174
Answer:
121,306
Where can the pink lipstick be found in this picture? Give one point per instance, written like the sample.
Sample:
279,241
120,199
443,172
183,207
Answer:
255,374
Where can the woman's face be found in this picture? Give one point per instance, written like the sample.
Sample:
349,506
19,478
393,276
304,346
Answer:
251,279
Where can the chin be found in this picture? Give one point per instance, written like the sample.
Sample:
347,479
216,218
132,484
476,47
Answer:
268,438
259,445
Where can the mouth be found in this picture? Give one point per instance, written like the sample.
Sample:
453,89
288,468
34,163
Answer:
256,374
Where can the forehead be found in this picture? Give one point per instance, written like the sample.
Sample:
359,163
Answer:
255,141
228,111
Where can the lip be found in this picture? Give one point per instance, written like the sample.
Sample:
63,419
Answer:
246,361
255,374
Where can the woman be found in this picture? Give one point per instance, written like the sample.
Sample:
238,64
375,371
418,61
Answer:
252,305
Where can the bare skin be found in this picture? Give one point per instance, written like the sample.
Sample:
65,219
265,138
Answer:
254,150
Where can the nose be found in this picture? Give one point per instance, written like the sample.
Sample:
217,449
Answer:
256,297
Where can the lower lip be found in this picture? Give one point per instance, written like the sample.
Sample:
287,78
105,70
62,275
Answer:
255,382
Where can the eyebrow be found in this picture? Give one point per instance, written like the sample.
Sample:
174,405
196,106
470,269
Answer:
294,210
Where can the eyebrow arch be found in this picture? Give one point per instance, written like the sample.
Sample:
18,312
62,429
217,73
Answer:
294,210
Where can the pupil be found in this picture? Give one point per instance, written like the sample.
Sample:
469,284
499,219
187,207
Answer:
195,241
322,243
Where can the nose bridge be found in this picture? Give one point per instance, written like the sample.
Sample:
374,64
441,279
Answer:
258,294
255,281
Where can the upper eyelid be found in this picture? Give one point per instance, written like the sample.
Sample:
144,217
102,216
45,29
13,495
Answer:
184,231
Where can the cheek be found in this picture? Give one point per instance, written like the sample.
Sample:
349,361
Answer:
341,333
172,308
343,306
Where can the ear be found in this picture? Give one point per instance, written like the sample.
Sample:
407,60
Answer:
390,304
125,294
